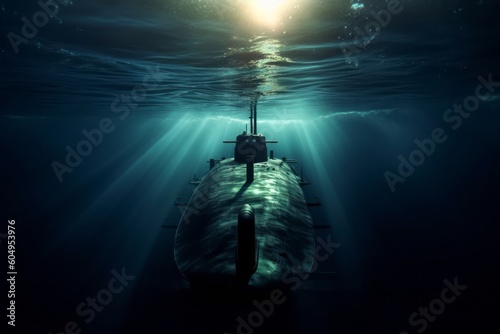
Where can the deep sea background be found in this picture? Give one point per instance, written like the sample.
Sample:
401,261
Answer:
346,119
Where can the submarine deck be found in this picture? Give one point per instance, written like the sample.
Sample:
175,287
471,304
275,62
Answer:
206,238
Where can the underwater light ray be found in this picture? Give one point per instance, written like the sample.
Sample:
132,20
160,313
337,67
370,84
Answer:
115,192
142,222
351,261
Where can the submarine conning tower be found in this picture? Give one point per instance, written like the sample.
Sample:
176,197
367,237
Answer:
248,146
251,146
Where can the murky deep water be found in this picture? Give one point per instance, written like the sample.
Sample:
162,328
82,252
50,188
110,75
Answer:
169,80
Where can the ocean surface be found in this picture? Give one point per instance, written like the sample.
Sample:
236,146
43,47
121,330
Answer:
109,108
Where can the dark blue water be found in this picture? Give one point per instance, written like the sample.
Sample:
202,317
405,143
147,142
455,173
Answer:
345,90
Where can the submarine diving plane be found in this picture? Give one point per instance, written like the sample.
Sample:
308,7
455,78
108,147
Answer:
247,222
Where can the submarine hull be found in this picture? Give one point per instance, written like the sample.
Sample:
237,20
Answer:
206,240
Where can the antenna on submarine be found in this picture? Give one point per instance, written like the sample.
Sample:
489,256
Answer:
251,119
253,116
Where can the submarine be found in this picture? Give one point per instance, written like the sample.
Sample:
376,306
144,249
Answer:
247,223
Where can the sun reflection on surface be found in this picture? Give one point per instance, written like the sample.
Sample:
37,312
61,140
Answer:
267,12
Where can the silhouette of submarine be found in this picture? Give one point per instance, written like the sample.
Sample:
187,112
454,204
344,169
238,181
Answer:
247,222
